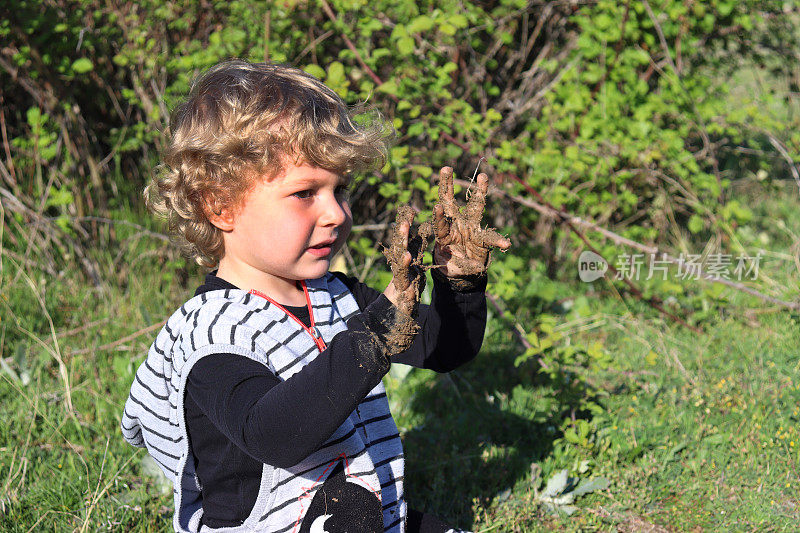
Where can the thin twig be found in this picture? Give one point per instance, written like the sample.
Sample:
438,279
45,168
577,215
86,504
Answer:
55,350
10,160
48,226
43,415
117,342
95,497
352,47
698,117
785,154
629,283
267,26
83,327
310,46
522,336
105,220
549,210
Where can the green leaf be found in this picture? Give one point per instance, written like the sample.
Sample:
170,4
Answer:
586,486
672,454
398,32
335,74
458,20
556,484
695,224
406,46
447,68
571,436
388,87
315,70
417,128
34,117
447,28
725,8
59,197
718,438
424,171
82,65
420,24
493,116
400,372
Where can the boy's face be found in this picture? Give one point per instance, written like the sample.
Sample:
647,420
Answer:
286,229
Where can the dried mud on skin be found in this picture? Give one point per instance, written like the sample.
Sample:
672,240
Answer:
417,240
456,226
401,333
403,326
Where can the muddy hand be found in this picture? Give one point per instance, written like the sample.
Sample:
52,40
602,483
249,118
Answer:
407,277
462,246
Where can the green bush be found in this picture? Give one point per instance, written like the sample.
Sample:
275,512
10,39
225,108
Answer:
611,109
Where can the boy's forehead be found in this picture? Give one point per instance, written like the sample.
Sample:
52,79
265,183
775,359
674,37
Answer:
310,175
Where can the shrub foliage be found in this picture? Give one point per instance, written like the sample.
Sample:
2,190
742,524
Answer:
612,110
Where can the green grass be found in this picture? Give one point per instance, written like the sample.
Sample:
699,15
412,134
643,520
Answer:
694,432
712,446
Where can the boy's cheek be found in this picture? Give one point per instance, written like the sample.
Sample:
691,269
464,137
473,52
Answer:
341,238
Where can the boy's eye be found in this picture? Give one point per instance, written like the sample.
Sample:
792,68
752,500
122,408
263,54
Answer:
343,190
308,193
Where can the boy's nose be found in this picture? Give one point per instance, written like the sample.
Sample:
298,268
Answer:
335,213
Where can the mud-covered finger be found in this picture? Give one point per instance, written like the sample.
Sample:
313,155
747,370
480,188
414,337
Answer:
401,277
401,273
403,230
405,213
441,226
446,184
396,248
399,238
477,200
489,238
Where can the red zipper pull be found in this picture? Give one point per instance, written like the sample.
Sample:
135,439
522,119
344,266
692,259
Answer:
313,331
317,338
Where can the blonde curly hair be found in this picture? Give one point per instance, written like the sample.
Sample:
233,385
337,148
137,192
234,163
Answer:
243,122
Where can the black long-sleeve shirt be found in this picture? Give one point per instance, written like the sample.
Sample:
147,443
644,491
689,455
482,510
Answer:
240,415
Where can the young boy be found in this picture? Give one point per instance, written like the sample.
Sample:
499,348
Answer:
261,398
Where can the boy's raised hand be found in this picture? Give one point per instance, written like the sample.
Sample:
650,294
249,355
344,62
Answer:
404,255
462,246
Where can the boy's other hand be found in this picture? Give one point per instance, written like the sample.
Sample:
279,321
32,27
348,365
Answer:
462,246
405,258
404,289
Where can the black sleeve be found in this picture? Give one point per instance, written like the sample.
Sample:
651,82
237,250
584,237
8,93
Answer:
452,325
363,293
281,422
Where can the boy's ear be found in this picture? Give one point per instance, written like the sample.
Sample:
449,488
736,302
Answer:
220,217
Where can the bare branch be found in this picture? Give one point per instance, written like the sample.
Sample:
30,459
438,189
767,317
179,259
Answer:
117,342
550,211
785,154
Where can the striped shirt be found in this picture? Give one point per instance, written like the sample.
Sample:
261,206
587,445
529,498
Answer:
233,321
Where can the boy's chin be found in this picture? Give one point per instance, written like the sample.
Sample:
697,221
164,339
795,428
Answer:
317,270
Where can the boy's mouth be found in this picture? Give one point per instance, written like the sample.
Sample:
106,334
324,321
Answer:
321,249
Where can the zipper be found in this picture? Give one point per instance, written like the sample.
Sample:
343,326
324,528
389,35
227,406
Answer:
313,331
